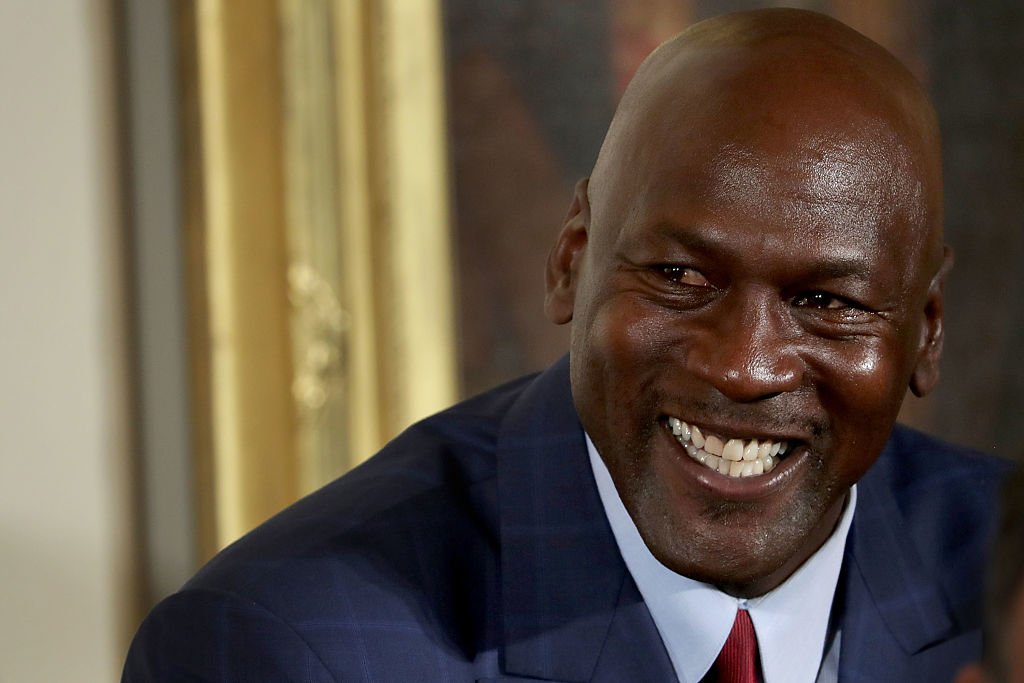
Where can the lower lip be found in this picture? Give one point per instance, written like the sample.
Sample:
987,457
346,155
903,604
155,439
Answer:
737,488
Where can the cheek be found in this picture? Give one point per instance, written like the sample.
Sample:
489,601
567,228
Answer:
620,357
628,337
861,386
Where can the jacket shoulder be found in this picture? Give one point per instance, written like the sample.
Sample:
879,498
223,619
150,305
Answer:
402,548
932,478
432,480
947,497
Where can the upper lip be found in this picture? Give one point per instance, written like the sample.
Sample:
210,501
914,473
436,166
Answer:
735,431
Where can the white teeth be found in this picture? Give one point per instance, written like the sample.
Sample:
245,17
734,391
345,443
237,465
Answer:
750,452
731,457
733,450
712,444
676,424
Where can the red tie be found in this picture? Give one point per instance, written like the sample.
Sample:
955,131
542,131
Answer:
737,662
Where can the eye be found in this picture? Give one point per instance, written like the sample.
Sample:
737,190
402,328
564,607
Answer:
822,301
685,276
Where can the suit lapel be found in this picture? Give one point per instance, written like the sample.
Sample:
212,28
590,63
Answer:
893,608
570,606
634,650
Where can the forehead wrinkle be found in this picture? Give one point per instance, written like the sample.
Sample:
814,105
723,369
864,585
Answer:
839,174
831,166
842,184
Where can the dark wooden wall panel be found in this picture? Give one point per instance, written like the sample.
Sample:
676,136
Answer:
532,87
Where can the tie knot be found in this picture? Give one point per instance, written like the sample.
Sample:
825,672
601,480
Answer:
737,662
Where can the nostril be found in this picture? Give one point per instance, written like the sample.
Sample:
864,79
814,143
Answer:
755,377
742,349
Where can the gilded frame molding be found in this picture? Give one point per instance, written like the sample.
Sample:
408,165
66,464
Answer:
318,247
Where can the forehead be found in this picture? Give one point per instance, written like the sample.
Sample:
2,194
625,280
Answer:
799,167
808,188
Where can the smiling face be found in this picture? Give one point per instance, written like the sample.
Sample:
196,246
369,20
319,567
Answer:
754,278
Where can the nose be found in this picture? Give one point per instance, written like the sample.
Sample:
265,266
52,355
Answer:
742,346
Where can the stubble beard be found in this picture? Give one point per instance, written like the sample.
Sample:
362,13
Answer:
720,547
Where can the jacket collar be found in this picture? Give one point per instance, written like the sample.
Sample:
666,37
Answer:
566,592
887,580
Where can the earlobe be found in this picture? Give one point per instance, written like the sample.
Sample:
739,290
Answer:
563,265
926,372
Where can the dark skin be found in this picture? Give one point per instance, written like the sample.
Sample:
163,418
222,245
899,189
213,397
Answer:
758,252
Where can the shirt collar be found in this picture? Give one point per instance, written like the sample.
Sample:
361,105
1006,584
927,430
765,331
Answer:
694,618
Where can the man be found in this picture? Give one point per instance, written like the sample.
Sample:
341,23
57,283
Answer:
1004,619
754,276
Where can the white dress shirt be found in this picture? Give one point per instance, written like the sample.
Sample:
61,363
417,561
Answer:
694,618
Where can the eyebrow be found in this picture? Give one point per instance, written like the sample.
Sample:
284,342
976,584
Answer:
837,268
834,267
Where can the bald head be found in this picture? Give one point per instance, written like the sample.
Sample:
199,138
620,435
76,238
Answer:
791,83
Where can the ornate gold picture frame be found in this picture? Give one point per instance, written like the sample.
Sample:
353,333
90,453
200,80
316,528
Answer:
317,232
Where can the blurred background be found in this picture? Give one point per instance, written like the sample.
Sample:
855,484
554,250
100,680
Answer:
246,242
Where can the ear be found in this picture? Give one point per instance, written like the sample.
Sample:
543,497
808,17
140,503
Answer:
563,267
929,352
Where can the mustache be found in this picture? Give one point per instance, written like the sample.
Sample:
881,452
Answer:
773,414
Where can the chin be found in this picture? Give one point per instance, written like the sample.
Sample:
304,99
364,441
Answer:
743,548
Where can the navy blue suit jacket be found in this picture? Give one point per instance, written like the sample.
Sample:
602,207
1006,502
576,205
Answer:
474,547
